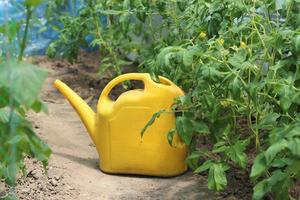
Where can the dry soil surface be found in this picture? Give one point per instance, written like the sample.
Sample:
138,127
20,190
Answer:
73,171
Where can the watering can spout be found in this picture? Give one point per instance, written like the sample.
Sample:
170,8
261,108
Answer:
86,114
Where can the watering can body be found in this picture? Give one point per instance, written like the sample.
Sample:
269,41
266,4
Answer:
116,127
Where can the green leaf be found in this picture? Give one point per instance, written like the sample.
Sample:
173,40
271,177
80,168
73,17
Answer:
235,87
294,146
297,43
287,95
274,149
268,121
285,103
293,167
39,106
16,139
217,178
4,97
200,127
237,153
23,80
198,154
4,115
281,162
170,136
219,149
185,129
205,166
238,59
111,12
293,130
260,189
210,72
279,183
33,3
259,166
39,149
288,132
10,30
187,58
151,121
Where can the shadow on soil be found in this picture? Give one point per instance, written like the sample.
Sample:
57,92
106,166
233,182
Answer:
92,163
182,187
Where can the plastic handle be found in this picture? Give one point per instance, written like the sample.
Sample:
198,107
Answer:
125,77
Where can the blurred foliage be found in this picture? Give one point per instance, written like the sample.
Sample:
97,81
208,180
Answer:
20,84
13,31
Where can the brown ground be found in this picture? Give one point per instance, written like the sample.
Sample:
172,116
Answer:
73,168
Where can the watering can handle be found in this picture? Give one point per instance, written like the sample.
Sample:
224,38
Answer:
125,77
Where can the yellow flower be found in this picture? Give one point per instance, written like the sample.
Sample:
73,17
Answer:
220,41
234,47
243,45
225,103
202,35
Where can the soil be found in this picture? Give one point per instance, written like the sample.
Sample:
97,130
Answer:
73,171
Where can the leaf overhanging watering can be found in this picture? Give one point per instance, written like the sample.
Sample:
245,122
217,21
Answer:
116,127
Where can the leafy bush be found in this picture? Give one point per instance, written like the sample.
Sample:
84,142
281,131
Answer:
238,62
20,84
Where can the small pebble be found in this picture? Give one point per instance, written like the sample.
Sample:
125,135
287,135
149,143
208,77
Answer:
56,178
53,182
26,190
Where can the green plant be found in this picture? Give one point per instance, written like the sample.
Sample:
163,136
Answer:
11,29
94,21
241,65
20,84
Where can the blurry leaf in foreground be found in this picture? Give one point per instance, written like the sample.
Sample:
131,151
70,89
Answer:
23,80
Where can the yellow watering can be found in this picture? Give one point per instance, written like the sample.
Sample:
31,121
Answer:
116,128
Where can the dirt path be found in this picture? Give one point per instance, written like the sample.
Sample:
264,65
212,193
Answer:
74,158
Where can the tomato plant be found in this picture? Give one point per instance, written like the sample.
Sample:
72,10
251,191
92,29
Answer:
242,63
20,84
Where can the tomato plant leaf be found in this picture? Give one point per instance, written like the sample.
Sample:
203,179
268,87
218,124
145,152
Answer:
260,189
237,153
217,179
185,129
294,146
235,87
187,58
274,149
151,121
33,3
200,127
268,121
205,166
238,58
4,97
259,166
170,136
23,80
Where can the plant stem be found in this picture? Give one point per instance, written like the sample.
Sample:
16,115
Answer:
24,40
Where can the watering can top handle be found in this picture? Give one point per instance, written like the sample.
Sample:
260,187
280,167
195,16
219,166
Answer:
125,77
